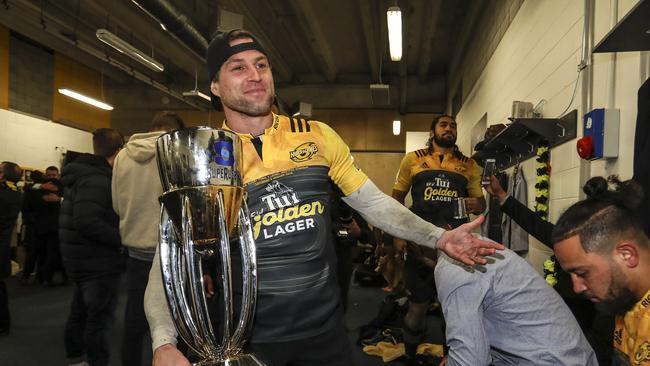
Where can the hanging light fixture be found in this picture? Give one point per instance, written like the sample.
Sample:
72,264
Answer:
126,48
397,125
394,17
195,92
86,99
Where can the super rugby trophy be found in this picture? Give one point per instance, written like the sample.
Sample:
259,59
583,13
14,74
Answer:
203,207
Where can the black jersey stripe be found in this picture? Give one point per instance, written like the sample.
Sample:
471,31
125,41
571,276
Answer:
257,143
308,126
293,124
300,122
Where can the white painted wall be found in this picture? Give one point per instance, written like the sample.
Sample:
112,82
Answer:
416,140
37,143
537,59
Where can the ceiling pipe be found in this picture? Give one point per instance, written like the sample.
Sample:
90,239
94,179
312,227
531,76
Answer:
587,80
176,23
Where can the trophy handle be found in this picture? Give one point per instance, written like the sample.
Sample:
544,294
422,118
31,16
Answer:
173,280
182,272
249,275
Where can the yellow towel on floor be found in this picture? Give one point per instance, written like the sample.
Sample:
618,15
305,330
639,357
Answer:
386,350
390,351
430,349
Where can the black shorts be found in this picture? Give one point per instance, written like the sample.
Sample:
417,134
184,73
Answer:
419,281
331,348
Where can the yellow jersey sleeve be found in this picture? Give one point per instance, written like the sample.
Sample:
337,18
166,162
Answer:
342,170
404,177
474,180
632,333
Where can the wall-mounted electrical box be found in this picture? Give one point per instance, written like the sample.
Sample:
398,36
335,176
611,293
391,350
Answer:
600,134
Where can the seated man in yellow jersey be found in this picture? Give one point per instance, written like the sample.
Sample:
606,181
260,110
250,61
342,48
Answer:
288,168
436,176
600,241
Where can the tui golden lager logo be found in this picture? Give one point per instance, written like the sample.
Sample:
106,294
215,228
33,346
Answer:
286,220
303,152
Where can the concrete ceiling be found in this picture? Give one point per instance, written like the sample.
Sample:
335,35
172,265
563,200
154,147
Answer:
324,52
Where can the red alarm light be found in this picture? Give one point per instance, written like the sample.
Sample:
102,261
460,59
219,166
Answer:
585,147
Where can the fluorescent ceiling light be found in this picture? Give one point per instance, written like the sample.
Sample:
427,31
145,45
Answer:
394,16
85,99
151,15
126,48
396,127
196,93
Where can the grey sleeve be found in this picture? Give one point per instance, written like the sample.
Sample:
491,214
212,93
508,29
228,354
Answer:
461,302
384,212
159,317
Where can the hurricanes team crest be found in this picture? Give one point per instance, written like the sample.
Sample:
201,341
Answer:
642,354
303,152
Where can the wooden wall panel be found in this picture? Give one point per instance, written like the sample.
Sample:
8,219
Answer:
72,75
381,168
372,130
4,67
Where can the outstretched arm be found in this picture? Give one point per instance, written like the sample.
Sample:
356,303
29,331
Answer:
521,214
389,215
163,332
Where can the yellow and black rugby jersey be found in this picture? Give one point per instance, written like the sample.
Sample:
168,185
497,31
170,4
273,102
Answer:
288,187
434,179
292,143
632,335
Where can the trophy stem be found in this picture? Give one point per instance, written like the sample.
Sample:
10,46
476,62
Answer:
194,275
249,274
226,268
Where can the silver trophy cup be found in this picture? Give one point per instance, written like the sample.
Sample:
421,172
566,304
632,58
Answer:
203,208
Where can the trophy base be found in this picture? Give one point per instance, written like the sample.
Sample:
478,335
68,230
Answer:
239,360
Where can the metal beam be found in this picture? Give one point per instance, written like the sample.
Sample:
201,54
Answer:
251,24
293,37
411,32
370,29
56,27
429,25
428,97
309,20
471,19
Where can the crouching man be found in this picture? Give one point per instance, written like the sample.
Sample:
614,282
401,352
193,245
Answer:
506,314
